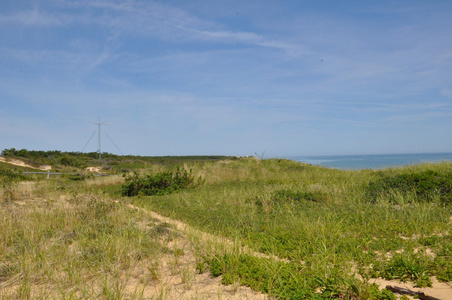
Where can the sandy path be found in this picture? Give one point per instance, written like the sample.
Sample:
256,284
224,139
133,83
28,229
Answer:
207,237
173,284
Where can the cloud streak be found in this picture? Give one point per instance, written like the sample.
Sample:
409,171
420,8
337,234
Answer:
34,18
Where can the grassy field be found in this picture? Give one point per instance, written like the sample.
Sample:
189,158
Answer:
284,229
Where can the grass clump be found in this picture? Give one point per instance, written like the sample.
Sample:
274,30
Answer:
8,183
277,278
292,280
291,196
162,183
427,185
408,267
443,259
10,176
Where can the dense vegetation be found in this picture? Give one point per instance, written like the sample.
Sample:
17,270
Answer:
162,183
110,163
428,186
320,233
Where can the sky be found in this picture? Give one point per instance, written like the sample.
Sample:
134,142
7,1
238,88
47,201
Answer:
272,78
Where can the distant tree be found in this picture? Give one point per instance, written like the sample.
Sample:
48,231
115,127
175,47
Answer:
9,152
23,153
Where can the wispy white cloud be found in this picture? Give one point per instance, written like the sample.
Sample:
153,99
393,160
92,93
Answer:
171,23
246,38
142,18
408,119
35,18
388,106
36,57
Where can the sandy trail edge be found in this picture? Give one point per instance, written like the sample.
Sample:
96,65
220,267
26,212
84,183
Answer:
204,236
439,290
204,286
20,163
177,278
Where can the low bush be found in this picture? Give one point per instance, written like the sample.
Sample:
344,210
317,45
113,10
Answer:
9,176
162,183
77,177
70,161
427,186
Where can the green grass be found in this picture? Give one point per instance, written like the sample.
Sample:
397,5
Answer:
317,216
321,235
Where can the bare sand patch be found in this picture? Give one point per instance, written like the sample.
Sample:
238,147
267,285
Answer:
438,290
18,162
93,169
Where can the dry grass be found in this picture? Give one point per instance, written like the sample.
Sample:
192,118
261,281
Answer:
106,180
71,245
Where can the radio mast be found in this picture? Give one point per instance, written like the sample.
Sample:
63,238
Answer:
99,124
99,143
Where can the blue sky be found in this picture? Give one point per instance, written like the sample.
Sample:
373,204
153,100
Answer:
181,77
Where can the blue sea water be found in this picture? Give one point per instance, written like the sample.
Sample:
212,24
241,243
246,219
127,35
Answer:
375,161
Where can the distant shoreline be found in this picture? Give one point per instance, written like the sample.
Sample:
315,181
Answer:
372,161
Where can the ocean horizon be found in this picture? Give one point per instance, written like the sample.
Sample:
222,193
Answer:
372,161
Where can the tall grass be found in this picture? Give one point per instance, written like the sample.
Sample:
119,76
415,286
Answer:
318,217
66,243
309,233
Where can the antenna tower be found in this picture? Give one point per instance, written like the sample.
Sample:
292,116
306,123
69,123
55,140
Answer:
99,124
99,144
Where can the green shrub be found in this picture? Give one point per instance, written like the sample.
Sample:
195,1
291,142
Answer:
426,185
69,161
9,176
160,184
77,177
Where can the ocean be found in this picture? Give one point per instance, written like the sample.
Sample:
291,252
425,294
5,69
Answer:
375,161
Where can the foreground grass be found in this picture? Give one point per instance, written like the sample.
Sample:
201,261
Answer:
312,232
69,246
60,241
64,239
332,238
